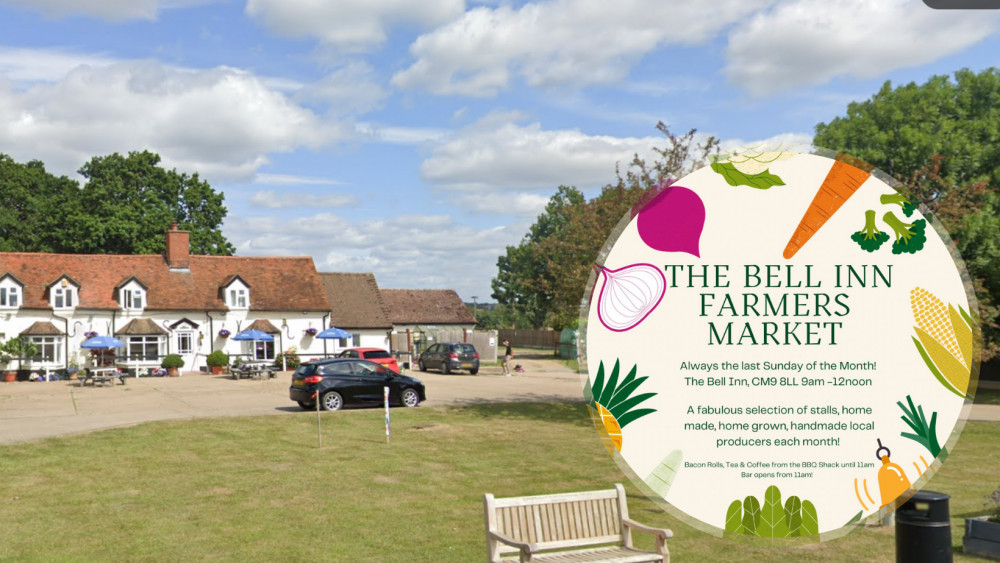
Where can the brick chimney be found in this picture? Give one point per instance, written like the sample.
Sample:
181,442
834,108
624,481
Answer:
178,248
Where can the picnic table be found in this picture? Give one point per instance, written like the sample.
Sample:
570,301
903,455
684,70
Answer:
100,375
253,370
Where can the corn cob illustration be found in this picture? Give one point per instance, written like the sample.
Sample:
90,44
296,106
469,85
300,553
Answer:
612,405
944,340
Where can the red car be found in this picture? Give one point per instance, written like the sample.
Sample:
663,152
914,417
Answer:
377,355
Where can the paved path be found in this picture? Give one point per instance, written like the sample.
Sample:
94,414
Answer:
31,411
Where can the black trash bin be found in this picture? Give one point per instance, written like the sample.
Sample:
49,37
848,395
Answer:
923,529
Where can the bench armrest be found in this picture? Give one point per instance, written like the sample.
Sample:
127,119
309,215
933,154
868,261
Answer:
660,534
527,549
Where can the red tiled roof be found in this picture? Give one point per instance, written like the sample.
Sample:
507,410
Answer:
355,301
263,325
277,283
426,306
141,326
42,328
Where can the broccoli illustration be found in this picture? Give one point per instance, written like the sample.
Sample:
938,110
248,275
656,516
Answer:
910,237
869,237
900,200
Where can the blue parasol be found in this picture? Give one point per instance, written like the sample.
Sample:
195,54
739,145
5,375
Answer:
102,343
255,335
333,332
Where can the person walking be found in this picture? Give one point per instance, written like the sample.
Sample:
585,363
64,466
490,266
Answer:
508,355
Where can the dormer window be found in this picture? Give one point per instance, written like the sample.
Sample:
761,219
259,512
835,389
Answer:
131,294
236,293
11,292
132,299
63,297
63,294
10,297
238,298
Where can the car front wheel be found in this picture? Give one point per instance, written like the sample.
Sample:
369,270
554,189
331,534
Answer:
332,401
410,398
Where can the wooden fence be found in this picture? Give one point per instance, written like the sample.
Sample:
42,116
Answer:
531,338
408,346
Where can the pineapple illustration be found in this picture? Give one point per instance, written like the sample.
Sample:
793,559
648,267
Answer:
612,405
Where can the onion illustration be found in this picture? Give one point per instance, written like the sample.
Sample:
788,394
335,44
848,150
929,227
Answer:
628,295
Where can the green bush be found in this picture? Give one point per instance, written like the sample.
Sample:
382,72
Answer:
172,361
217,358
291,360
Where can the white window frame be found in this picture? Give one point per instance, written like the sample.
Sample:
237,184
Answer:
64,297
43,342
10,296
132,298
142,341
238,296
179,338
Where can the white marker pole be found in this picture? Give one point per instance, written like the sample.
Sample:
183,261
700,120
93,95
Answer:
319,425
386,396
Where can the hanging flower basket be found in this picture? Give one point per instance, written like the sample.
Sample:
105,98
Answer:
224,333
90,334
311,331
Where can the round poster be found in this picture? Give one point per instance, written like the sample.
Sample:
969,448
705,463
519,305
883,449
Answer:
779,345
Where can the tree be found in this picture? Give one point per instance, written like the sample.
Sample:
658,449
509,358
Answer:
128,203
33,207
939,140
546,274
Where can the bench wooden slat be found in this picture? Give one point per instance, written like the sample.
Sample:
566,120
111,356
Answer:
584,526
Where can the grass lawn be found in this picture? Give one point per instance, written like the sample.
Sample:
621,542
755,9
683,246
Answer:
259,489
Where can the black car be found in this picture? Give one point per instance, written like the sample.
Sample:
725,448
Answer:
341,381
449,357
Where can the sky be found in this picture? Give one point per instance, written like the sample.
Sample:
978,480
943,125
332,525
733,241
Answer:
417,139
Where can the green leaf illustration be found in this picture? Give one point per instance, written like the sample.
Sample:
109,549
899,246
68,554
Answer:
734,177
793,515
772,515
734,518
663,475
924,433
751,515
810,523
797,518
856,518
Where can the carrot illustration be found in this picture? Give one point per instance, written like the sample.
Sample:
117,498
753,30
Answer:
846,176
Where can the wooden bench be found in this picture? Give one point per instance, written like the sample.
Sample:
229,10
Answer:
585,526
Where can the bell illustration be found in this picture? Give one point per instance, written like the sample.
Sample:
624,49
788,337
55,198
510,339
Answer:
892,482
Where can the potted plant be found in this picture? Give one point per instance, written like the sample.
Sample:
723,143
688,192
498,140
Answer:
224,333
18,348
172,362
982,534
217,360
311,331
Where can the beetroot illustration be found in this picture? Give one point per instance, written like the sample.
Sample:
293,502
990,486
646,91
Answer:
673,221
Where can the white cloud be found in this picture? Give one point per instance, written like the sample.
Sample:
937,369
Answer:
559,43
221,122
350,24
351,89
404,252
808,42
22,65
498,153
292,179
111,10
285,200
